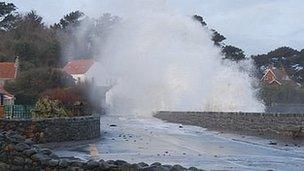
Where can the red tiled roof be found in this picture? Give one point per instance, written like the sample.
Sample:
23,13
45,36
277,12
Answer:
80,66
7,70
4,92
281,76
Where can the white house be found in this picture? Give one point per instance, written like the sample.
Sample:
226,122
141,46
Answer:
79,70
89,71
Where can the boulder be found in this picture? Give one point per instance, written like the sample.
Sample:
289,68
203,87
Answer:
22,146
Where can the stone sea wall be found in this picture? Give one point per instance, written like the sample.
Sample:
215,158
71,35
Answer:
264,124
20,154
54,129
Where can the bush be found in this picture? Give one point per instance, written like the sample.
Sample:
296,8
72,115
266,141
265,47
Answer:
47,108
284,94
75,99
29,86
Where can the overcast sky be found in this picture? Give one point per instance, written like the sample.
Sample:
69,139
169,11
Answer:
256,26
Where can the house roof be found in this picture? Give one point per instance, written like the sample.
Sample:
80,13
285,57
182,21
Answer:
5,93
80,66
280,74
7,70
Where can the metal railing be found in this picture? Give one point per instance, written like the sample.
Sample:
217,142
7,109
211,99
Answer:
24,111
15,111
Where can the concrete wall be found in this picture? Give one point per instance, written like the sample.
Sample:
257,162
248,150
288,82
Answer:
286,125
54,129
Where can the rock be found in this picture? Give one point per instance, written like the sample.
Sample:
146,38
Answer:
167,166
9,147
111,162
129,167
40,158
92,164
22,146
103,165
120,162
30,152
16,138
101,161
28,161
142,164
178,168
53,156
77,164
156,164
180,126
22,157
273,143
4,166
193,169
53,163
63,163
16,168
29,142
46,151
19,161
75,169
155,168
113,125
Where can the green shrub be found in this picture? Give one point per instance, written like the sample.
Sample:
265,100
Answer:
47,108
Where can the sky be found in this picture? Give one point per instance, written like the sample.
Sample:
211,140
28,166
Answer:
256,26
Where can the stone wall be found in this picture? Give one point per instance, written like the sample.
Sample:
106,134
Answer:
54,129
285,125
20,154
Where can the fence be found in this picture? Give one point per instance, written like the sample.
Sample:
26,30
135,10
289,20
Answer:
24,111
15,112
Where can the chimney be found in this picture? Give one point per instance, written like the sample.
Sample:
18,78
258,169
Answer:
17,63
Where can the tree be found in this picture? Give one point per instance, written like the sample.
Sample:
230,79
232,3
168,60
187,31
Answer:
284,94
72,19
29,85
199,19
291,59
7,15
33,42
217,38
233,53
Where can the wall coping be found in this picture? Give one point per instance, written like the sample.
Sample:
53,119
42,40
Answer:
52,119
234,113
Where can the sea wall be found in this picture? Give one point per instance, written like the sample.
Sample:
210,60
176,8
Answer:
54,129
265,124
